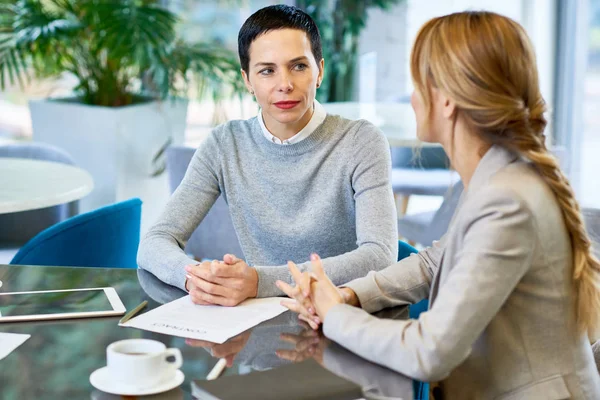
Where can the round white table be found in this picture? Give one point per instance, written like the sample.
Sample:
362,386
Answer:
400,137
27,184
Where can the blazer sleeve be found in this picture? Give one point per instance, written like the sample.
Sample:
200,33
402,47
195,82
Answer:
405,282
498,239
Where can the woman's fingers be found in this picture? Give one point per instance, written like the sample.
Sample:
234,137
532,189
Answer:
230,259
226,349
193,290
305,284
317,266
289,355
314,325
294,271
294,306
199,343
291,338
229,360
295,293
198,296
209,287
286,288
303,279
197,300
304,325
314,318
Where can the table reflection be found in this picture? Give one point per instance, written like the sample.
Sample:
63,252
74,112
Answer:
56,362
284,339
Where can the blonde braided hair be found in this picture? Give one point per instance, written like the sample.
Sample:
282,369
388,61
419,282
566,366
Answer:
486,63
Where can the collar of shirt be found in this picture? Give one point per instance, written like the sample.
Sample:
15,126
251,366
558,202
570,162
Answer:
317,119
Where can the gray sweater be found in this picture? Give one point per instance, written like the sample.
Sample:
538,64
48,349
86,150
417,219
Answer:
329,194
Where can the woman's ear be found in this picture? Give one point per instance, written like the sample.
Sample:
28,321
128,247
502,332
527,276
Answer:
247,81
448,105
321,72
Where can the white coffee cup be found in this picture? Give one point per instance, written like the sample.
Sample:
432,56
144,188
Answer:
142,363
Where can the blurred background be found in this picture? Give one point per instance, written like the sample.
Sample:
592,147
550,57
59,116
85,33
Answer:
193,58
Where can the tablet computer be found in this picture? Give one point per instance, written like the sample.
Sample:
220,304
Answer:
60,304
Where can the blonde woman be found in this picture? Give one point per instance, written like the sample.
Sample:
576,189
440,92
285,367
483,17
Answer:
513,287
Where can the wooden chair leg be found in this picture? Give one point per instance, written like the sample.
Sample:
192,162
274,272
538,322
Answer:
404,204
401,202
402,208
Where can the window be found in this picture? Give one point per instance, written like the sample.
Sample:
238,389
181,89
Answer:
577,102
589,192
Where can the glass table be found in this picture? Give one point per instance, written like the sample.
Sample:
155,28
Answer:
58,358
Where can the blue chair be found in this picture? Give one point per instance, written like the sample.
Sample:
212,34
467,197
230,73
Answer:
425,227
405,250
420,389
107,237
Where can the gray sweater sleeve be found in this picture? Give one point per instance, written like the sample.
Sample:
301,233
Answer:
376,226
161,250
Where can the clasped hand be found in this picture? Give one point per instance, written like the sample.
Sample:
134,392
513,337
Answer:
314,294
224,283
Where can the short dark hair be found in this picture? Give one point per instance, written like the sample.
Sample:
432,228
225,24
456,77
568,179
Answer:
275,17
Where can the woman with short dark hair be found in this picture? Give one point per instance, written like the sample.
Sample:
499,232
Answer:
295,178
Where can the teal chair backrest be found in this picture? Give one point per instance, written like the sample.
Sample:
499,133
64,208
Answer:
106,237
420,389
405,250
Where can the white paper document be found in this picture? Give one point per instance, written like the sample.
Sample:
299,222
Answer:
212,323
10,341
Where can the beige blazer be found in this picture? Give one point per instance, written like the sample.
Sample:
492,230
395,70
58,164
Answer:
501,323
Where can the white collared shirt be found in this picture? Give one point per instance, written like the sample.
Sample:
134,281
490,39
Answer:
317,119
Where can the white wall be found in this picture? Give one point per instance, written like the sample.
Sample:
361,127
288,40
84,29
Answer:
385,34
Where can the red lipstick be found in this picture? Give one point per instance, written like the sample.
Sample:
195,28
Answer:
286,105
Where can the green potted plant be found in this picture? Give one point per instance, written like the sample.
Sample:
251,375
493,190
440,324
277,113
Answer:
132,75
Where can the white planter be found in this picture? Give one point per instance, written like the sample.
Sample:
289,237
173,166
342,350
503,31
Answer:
115,145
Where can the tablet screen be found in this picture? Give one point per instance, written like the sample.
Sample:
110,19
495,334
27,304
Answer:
59,302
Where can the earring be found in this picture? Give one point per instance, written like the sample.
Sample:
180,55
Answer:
252,92
318,85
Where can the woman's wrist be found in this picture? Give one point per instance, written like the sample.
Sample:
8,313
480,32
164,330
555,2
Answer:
350,297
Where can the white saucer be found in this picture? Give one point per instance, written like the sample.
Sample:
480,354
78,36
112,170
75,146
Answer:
102,380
